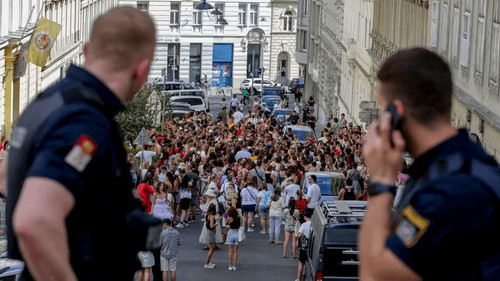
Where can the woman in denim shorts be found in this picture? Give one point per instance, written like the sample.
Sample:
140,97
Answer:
233,222
262,199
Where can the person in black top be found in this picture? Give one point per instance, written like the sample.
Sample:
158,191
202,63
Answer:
294,118
233,222
451,197
75,192
311,120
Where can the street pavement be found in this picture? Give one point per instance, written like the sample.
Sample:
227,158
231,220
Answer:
257,259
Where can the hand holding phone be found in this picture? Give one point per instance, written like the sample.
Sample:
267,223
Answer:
396,120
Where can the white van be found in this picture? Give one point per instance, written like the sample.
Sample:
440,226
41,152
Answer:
183,93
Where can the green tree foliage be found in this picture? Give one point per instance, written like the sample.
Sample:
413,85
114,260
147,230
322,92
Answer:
144,111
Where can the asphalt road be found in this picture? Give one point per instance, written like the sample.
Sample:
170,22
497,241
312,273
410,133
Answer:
257,259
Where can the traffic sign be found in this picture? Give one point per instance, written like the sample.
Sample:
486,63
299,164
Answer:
143,138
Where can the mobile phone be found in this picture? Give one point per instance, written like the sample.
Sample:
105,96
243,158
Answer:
396,120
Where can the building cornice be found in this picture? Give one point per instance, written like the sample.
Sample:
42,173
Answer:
477,107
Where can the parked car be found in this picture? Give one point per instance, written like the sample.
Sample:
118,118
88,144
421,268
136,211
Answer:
173,85
303,132
297,84
330,183
282,114
197,103
193,92
333,241
257,84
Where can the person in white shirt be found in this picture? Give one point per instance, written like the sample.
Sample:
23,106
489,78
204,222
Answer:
313,194
277,105
253,119
305,230
234,102
249,202
146,156
238,115
244,153
290,190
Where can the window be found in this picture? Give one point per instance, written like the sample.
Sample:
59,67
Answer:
195,62
480,40
197,16
254,14
288,21
304,40
305,7
434,23
174,14
143,6
220,7
242,14
495,46
454,35
464,47
444,28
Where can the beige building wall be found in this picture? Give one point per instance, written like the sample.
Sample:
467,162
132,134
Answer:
75,17
358,69
467,34
283,41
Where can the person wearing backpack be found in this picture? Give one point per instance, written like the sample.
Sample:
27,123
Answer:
263,210
348,192
303,243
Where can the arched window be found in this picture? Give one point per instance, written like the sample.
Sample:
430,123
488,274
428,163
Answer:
288,21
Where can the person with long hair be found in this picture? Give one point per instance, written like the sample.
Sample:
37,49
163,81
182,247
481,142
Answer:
249,196
262,199
276,205
233,222
211,224
146,258
292,216
301,204
161,207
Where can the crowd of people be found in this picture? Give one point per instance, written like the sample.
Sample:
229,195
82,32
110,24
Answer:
234,172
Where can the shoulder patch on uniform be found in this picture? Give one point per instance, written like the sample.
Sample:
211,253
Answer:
411,226
81,153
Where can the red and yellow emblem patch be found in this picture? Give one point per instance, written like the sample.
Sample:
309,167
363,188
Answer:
81,153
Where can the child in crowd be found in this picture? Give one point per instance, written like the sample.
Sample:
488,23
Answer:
170,241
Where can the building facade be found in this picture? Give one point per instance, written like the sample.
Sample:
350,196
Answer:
467,34
302,40
283,65
17,21
358,70
324,56
193,44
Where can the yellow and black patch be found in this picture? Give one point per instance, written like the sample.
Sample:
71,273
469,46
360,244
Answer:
411,226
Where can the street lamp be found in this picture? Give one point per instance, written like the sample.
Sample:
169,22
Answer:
203,5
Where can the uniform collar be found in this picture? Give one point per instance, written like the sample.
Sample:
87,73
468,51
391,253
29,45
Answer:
452,144
77,73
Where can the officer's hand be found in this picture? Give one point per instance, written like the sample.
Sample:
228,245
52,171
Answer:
383,160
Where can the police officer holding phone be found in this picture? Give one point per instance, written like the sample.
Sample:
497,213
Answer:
446,226
70,209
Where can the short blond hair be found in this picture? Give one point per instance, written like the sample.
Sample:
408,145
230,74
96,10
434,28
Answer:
121,36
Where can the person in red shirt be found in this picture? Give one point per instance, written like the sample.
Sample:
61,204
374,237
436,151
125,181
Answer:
301,205
145,190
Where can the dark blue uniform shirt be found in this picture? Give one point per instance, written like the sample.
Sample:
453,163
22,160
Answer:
100,246
449,228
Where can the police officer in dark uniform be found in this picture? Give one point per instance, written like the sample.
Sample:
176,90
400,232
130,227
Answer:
446,226
70,210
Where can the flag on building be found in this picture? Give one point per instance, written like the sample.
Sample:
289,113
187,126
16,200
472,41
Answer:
21,61
42,41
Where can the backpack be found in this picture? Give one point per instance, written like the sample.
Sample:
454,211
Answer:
302,244
349,195
266,197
